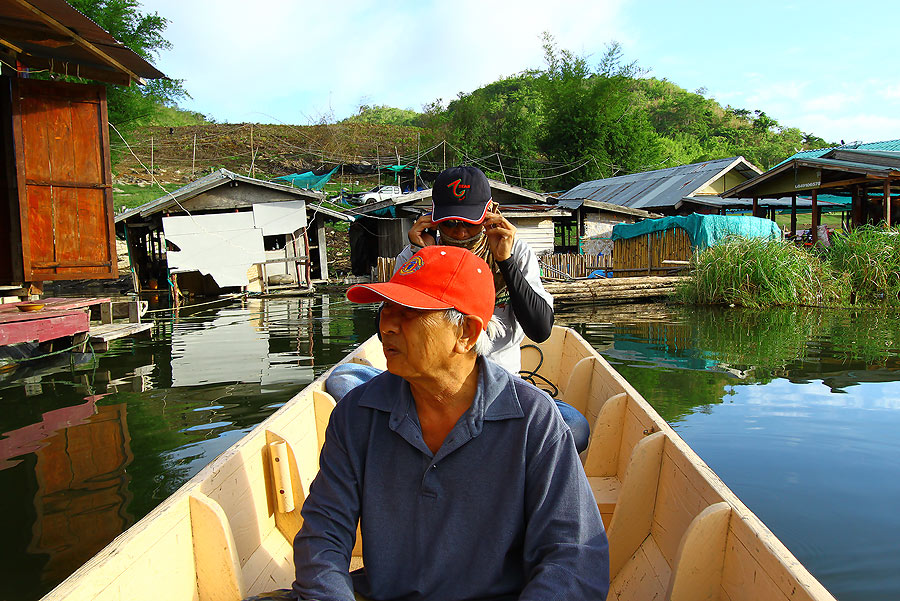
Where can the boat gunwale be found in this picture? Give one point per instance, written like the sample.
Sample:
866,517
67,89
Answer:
774,547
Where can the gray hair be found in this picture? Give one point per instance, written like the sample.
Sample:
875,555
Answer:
484,344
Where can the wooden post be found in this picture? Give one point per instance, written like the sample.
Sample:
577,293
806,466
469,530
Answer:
793,215
815,217
755,205
252,155
887,202
856,207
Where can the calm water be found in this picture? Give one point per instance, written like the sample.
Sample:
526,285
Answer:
797,411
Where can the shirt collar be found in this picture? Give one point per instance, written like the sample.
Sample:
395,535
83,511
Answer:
495,399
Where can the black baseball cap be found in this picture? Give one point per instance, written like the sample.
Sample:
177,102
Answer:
460,193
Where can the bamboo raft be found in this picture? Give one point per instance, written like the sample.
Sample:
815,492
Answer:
675,530
611,290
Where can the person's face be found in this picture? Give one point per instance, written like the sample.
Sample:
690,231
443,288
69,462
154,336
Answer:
456,229
417,343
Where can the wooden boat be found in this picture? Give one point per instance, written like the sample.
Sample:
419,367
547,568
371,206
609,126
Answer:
676,531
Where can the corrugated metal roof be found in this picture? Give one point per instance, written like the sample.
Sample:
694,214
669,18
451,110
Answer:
823,200
50,34
889,145
660,188
208,182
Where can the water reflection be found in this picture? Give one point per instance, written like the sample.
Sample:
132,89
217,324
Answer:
91,443
796,410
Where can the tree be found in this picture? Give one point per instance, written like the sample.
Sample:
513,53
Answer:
143,33
595,118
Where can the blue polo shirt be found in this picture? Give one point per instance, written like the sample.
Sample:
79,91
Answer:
503,510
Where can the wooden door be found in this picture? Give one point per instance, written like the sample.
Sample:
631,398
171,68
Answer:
64,180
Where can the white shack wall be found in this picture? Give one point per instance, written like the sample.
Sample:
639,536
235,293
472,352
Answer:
536,231
598,226
222,245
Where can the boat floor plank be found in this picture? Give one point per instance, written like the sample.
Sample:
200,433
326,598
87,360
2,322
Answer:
271,566
645,576
606,493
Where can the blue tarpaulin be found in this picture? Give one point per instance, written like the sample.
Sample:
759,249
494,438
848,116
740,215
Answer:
703,230
308,180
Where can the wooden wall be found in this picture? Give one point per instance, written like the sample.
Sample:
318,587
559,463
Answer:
647,254
61,196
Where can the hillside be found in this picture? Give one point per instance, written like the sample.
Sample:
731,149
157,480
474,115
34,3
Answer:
175,153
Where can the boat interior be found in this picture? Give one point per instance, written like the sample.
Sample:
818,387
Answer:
675,530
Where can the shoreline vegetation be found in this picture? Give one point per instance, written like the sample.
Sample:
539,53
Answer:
861,268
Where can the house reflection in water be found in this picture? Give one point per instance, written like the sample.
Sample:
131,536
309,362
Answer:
82,454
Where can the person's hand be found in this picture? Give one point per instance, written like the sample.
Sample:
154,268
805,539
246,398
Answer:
501,234
417,234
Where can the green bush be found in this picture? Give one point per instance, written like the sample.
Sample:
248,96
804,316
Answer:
757,272
869,256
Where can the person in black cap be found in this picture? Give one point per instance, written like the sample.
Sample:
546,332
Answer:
463,214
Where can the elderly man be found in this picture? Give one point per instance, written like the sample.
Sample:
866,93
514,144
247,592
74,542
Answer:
464,215
463,477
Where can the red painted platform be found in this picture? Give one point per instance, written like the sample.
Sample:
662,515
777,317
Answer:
59,318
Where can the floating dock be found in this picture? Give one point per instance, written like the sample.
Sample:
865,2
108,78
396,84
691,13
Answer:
57,318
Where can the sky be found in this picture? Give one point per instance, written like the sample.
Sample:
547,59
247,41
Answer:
822,66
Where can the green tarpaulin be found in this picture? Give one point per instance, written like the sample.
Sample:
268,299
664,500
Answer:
308,180
703,230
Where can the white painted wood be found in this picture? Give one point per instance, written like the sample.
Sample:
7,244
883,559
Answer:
657,485
284,492
634,512
288,522
701,556
606,438
577,390
217,565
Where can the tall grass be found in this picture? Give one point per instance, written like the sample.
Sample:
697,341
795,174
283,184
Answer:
758,272
870,258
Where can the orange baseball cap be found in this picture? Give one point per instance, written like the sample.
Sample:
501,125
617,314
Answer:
435,278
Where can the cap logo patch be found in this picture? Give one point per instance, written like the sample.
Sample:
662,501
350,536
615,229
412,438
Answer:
458,188
411,266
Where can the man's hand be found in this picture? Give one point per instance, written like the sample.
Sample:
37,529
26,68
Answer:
501,234
417,234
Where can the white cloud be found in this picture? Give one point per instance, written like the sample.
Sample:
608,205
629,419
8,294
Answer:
290,59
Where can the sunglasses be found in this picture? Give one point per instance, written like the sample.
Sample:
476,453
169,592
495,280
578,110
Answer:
454,223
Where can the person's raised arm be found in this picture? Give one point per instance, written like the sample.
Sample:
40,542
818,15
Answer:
418,234
520,271
330,513
532,311
566,552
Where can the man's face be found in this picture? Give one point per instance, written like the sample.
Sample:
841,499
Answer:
456,229
416,343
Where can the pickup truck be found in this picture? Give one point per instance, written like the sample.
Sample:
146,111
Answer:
379,193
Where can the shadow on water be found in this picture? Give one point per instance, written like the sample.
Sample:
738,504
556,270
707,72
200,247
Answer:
797,411
91,443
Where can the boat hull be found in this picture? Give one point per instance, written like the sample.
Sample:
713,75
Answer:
676,531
